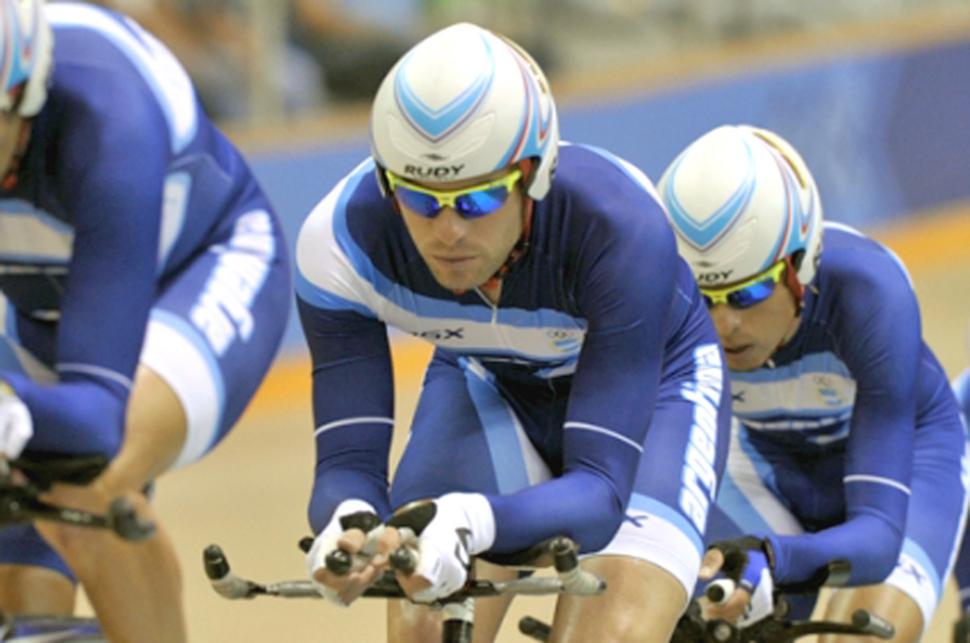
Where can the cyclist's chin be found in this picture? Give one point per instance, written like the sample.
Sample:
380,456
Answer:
748,358
460,276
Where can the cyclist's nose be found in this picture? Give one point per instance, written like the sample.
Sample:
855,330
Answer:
449,226
726,320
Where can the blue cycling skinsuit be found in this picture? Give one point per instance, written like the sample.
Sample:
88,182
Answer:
588,397
131,233
848,443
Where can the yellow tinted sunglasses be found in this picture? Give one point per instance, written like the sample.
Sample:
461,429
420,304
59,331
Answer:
470,202
747,293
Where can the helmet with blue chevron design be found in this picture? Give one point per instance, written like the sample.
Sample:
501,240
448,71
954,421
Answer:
462,103
26,56
741,199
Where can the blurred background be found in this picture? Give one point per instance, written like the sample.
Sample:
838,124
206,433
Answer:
874,93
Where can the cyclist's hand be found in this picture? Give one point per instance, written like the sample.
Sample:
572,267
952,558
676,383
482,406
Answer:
455,527
346,531
16,425
749,596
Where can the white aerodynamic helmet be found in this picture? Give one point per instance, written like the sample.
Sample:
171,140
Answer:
741,199
26,56
462,103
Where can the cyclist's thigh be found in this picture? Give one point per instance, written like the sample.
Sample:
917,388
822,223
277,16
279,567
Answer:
215,329
642,603
885,600
465,437
683,458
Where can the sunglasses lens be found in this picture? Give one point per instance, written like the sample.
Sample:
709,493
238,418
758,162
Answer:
481,202
753,294
422,204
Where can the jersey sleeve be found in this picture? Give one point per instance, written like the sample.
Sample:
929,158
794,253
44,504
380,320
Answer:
876,324
353,397
625,275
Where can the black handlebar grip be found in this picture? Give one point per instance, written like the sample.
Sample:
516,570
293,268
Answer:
872,624
715,593
404,560
305,544
216,565
126,523
534,628
564,556
339,562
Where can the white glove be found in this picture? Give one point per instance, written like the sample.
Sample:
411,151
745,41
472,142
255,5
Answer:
16,425
326,542
463,525
762,587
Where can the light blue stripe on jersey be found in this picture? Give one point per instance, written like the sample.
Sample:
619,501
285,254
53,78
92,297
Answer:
161,72
320,298
654,507
734,504
914,551
501,435
766,473
825,362
192,335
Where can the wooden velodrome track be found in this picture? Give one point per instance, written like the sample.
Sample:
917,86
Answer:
250,494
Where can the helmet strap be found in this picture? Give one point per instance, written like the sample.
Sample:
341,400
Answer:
792,283
521,247
9,181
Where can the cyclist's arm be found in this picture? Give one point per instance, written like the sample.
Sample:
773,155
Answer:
353,402
110,177
353,394
878,329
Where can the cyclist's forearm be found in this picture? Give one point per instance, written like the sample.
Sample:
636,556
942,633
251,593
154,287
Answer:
870,544
580,505
83,416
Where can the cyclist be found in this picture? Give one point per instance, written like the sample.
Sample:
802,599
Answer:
848,444
144,281
575,388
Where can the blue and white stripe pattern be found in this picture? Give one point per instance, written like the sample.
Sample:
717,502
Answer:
705,233
812,396
31,236
435,124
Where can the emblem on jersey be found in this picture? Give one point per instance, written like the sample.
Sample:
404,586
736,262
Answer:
563,340
441,334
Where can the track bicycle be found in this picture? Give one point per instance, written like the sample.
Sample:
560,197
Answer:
20,502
